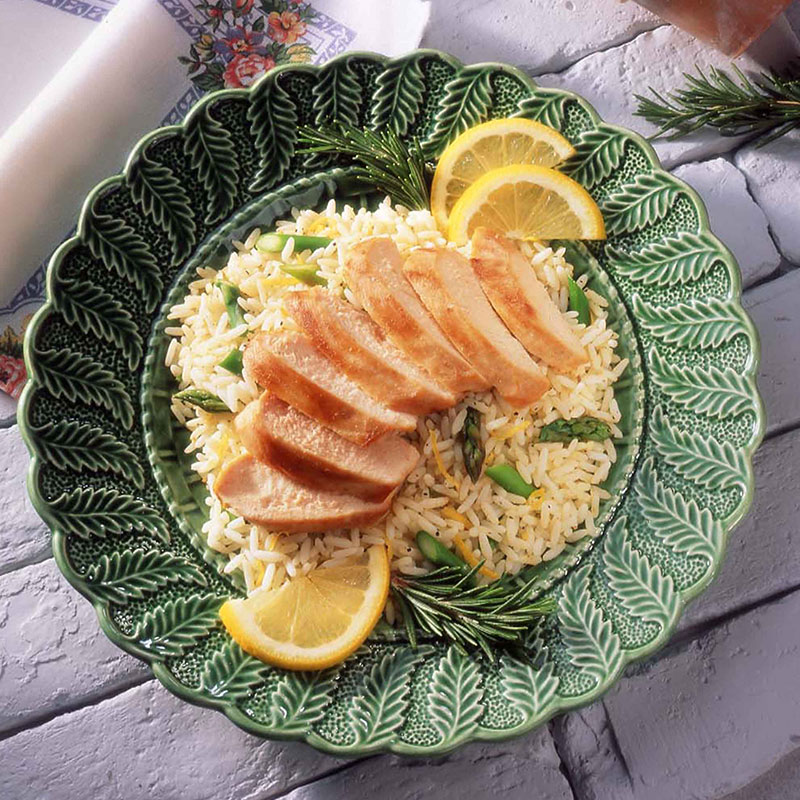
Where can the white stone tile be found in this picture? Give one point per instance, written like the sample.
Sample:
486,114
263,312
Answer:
145,744
536,35
53,654
710,716
23,535
773,175
520,769
609,80
734,216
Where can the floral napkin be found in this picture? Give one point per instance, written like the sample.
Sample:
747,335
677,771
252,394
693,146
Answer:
144,63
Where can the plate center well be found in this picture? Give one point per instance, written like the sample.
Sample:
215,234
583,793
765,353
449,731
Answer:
166,439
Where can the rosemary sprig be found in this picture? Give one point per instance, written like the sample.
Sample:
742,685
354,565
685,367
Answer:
445,603
768,106
382,159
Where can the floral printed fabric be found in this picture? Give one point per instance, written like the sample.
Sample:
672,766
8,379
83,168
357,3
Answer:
244,40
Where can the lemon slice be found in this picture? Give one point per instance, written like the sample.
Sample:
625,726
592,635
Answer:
486,147
527,202
315,620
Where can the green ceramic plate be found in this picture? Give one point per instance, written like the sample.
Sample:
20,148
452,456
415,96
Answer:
109,477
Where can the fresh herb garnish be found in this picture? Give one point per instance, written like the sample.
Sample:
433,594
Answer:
579,302
382,160
768,106
230,296
444,603
202,399
506,476
275,242
471,446
584,428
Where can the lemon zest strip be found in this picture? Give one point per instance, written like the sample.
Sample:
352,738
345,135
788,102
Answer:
467,555
451,513
536,499
440,464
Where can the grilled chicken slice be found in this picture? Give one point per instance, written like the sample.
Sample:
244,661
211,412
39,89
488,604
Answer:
352,341
522,301
445,282
315,456
265,496
375,276
288,365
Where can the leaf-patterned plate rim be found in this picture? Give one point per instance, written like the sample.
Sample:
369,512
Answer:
616,657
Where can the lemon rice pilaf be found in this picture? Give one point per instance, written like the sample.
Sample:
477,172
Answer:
480,521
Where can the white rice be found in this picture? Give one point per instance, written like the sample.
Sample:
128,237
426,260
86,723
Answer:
482,521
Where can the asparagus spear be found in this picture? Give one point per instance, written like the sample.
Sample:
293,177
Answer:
202,399
275,242
230,295
585,428
506,476
437,553
579,302
233,362
307,275
471,446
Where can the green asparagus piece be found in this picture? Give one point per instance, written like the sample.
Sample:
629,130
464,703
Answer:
578,302
584,428
471,446
233,362
506,476
275,242
307,275
230,295
437,553
202,399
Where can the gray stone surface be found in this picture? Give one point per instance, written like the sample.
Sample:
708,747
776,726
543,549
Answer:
587,745
734,216
516,770
779,783
775,310
773,175
24,538
52,650
555,34
710,716
146,744
610,80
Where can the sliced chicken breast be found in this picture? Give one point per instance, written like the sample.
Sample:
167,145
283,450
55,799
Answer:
375,276
523,302
315,456
288,365
447,285
265,496
352,341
